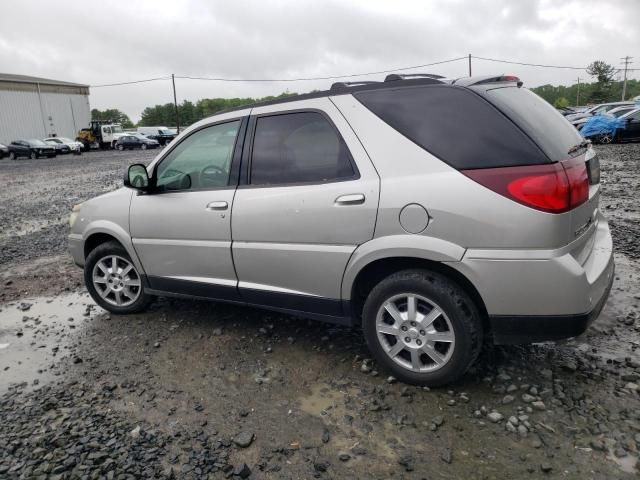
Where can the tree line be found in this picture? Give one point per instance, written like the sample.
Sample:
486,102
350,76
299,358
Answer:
602,89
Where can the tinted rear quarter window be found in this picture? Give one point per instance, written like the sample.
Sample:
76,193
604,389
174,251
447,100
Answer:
547,127
455,124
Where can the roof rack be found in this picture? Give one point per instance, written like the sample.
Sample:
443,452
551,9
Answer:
343,85
404,76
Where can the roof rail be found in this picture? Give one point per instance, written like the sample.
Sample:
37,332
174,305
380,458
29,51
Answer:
344,85
404,76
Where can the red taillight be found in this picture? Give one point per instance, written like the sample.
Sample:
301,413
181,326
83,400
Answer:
553,188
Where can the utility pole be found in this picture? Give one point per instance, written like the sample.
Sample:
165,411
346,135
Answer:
578,94
469,64
626,61
175,102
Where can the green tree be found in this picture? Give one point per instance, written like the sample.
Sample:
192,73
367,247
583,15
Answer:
114,115
561,102
165,115
604,75
602,71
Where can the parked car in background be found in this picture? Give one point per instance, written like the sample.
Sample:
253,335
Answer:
608,128
4,151
162,134
631,130
32,148
597,110
130,142
360,206
616,112
65,145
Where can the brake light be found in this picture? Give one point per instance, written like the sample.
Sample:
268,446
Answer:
554,188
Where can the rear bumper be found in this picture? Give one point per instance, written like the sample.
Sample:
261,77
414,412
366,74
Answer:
538,295
529,329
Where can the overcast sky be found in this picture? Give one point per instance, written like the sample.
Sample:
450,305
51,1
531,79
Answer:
116,41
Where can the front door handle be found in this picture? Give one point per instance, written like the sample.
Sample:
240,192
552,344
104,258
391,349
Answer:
222,205
350,199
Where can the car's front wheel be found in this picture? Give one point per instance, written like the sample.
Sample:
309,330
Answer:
33,155
12,156
120,147
143,146
113,280
422,327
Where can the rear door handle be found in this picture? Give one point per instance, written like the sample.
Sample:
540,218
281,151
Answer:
222,205
350,199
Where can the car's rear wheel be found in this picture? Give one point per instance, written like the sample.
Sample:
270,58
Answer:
120,147
422,327
143,146
33,155
113,280
605,138
12,156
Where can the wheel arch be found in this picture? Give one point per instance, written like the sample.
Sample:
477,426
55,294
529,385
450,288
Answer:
375,271
99,234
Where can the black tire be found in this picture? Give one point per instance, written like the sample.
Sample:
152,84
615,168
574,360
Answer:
33,155
143,146
464,316
120,147
12,156
105,250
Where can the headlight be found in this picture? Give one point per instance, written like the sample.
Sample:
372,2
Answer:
75,211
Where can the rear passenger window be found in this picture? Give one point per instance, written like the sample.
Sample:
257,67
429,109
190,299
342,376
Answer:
298,148
454,124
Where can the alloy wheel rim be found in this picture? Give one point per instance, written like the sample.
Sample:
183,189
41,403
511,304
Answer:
116,280
415,332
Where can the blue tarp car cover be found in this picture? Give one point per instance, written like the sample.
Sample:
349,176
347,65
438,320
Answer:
602,124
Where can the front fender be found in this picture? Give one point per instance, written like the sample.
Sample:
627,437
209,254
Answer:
394,246
116,231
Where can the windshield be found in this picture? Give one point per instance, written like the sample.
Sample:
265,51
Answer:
166,132
35,142
116,129
53,140
66,140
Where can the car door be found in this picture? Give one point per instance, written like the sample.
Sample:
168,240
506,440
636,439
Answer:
23,148
631,130
307,199
182,230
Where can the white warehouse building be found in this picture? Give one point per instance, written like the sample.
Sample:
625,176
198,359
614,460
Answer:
32,107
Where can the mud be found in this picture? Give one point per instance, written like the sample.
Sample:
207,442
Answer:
180,390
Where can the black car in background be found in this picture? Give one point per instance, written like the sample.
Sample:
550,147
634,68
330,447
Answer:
161,135
130,142
4,151
32,148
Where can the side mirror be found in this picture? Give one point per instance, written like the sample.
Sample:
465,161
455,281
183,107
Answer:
137,177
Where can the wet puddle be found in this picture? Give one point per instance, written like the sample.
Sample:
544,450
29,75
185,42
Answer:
36,332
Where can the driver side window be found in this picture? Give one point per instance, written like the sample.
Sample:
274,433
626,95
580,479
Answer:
200,161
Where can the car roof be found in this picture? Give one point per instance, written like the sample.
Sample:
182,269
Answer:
392,81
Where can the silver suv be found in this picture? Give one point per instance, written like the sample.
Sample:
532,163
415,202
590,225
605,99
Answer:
434,213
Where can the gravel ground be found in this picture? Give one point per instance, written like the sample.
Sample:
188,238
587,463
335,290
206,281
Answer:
203,390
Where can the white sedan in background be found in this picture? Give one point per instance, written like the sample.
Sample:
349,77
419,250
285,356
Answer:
74,147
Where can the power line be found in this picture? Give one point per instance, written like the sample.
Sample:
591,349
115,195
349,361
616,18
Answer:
305,79
131,82
351,75
530,64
